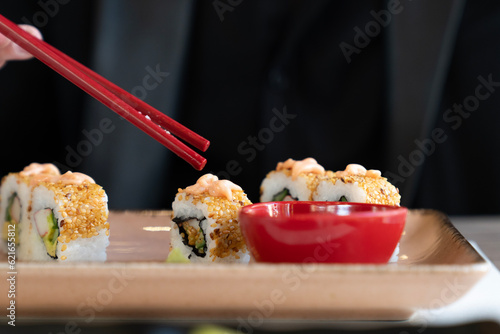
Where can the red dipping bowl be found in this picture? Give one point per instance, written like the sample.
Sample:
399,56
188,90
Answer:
322,232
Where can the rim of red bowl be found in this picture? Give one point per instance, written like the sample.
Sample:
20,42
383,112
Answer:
388,210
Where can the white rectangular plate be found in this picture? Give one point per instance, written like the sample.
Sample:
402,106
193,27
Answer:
436,267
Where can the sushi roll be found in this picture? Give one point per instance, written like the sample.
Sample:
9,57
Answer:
205,225
291,181
356,184
68,220
15,193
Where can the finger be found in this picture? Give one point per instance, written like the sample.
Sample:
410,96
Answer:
32,30
19,51
11,51
6,51
4,41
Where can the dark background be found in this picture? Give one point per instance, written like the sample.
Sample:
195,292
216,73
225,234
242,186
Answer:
268,55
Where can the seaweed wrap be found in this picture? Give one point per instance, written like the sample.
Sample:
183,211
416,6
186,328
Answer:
356,184
205,226
292,181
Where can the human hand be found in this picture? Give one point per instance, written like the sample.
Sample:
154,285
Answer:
11,51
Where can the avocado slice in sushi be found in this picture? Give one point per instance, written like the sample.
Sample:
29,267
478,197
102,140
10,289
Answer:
192,234
200,241
46,225
343,199
283,195
175,256
12,216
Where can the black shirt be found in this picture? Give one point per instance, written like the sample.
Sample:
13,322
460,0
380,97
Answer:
266,81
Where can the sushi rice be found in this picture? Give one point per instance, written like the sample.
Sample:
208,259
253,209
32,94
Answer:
15,196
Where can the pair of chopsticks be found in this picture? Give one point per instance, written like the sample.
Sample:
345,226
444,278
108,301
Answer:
156,124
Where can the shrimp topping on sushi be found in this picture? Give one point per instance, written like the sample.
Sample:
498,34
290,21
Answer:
355,169
308,165
213,186
37,169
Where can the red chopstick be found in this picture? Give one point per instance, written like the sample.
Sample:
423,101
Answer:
156,116
136,111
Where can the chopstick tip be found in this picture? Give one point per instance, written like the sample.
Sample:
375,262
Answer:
205,146
201,164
